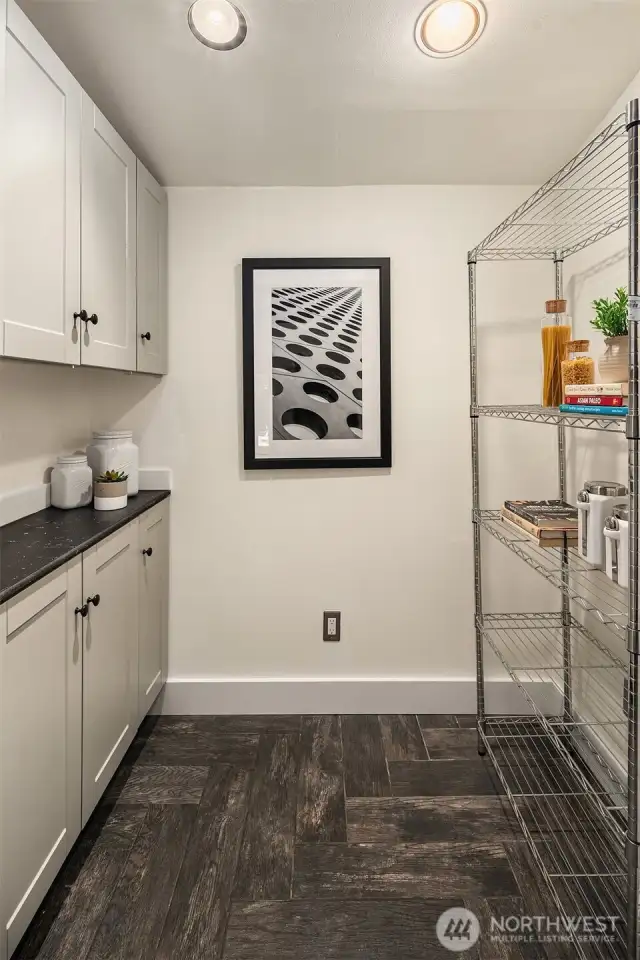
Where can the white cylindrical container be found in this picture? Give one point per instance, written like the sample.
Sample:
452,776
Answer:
115,450
596,502
616,533
71,482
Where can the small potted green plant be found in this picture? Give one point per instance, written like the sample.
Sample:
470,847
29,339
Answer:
110,490
611,319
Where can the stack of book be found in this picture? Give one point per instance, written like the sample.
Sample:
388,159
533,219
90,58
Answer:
549,523
610,399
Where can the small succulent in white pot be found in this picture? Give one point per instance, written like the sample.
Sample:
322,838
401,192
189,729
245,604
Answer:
110,490
612,320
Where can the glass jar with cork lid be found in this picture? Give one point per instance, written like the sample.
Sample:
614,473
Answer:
556,333
578,366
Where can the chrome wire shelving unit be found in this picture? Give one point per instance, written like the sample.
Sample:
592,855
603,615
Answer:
570,768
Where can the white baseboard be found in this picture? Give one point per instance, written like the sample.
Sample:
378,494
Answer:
226,697
616,764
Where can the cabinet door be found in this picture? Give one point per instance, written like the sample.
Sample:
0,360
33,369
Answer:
108,243
41,741
3,42
152,274
4,912
110,688
153,547
41,152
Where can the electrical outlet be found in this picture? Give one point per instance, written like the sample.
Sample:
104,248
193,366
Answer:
331,626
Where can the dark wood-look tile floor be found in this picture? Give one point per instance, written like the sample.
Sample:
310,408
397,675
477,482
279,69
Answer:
288,838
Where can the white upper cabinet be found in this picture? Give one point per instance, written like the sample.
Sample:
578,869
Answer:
80,213
41,196
108,244
152,274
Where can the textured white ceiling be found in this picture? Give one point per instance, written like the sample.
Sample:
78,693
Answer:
336,91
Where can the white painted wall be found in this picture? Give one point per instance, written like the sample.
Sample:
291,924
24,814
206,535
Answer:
257,557
47,409
596,272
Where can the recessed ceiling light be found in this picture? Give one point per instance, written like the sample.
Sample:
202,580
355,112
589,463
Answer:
217,23
449,27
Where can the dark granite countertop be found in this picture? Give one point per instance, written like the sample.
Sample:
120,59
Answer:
34,546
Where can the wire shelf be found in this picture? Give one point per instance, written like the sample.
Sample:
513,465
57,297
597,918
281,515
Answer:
532,413
582,203
580,854
530,647
590,589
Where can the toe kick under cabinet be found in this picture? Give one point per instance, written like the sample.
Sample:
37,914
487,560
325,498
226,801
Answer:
84,654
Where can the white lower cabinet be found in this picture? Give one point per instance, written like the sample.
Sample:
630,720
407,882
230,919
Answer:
83,655
110,630
41,735
153,551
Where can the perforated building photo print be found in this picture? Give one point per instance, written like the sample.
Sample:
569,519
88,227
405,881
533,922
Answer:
316,363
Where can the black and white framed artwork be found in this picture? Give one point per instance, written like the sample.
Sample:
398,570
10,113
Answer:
317,363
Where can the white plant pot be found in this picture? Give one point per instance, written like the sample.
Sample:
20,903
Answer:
613,365
109,503
109,496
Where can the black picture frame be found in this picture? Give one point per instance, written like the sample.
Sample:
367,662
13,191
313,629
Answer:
250,266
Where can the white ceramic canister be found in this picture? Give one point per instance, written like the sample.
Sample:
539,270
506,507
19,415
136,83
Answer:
71,482
595,503
616,533
115,450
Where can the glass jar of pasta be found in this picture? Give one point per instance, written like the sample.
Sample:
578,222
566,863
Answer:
578,367
556,333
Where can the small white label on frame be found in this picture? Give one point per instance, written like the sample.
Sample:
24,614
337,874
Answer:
634,309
